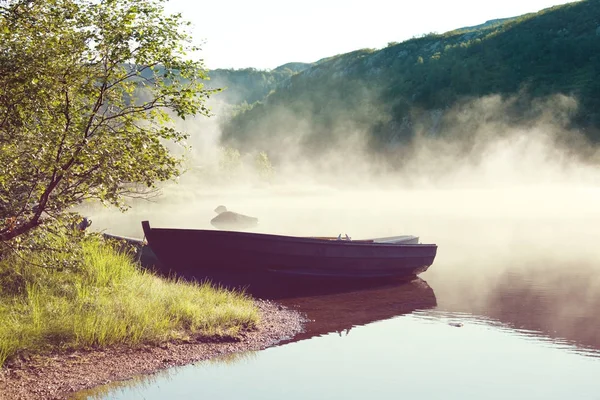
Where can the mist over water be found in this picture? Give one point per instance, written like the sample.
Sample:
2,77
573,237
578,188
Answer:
513,209
479,167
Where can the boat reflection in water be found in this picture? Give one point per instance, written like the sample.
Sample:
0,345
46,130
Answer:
344,308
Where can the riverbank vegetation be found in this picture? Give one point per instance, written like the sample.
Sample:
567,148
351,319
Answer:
106,299
90,93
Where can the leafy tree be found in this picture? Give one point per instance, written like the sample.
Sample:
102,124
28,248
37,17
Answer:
263,166
230,162
87,91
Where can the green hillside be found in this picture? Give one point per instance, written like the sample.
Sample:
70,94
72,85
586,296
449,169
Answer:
388,92
249,84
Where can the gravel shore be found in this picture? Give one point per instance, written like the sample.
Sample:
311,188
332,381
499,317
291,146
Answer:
58,376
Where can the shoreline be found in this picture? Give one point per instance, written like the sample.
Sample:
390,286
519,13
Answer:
59,376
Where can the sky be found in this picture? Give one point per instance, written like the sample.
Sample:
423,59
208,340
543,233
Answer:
267,33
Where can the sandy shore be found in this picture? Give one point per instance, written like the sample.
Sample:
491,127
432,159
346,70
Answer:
59,376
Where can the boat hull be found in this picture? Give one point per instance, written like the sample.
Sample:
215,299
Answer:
205,254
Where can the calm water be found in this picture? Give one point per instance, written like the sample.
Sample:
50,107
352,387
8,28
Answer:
508,310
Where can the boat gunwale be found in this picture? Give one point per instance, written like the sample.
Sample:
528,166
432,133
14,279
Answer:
308,240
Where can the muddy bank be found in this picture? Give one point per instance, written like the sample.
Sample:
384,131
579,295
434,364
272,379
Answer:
59,376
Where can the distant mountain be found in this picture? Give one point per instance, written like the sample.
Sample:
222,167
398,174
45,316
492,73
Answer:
393,92
249,85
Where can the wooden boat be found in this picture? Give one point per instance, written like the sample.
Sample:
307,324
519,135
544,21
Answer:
219,255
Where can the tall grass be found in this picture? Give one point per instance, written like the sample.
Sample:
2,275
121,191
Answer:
107,301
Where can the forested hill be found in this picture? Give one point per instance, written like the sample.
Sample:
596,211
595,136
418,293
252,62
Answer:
249,84
385,92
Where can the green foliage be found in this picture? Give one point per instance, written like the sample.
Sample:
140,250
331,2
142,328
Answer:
57,246
88,90
384,92
249,85
231,167
107,301
263,166
230,162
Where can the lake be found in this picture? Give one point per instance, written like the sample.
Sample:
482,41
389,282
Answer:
509,308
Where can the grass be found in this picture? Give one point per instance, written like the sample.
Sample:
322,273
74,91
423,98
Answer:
108,301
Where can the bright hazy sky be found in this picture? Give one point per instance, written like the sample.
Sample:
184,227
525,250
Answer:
267,33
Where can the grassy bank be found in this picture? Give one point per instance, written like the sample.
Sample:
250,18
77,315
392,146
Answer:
106,301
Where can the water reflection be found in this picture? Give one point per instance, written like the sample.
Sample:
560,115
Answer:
136,384
416,355
330,307
141,383
341,311
560,304
365,342
558,301
537,337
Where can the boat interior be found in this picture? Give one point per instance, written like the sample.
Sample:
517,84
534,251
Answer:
404,239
